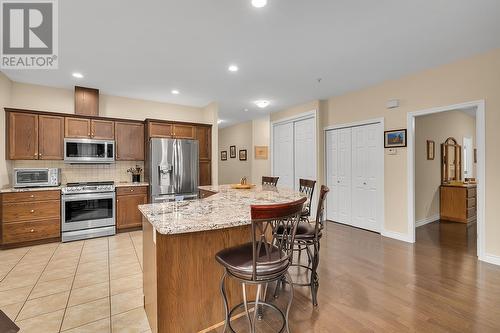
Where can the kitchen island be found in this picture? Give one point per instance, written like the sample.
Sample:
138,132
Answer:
180,240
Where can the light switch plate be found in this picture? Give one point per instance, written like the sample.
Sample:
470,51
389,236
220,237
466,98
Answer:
392,151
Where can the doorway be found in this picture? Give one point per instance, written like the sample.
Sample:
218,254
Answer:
455,156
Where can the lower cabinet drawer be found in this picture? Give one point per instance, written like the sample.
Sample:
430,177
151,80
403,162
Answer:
30,231
471,202
27,211
471,212
131,190
471,192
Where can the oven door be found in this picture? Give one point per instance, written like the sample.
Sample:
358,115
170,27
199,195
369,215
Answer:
90,210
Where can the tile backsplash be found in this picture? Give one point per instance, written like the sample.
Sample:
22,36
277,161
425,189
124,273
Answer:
85,172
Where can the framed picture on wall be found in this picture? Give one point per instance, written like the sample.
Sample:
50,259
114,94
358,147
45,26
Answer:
232,151
395,138
223,155
431,149
243,155
261,152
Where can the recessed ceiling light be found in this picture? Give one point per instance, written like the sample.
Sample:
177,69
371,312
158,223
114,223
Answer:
232,68
259,3
262,103
220,121
77,75
175,92
246,110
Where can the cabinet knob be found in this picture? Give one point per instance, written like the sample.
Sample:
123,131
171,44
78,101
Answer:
364,183
32,230
88,133
32,196
32,211
131,190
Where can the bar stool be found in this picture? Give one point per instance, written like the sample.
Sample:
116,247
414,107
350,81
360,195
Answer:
306,186
263,260
309,235
270,181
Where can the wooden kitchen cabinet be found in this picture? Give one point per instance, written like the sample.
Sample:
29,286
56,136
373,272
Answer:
127,201
181,131
160,130
129,138
50,137
102,129
205,173
458,203
22,136
77,128
89,128
204,137
30,217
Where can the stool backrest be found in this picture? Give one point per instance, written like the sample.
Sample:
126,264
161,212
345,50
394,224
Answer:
266,220
272,181
320,219
306,186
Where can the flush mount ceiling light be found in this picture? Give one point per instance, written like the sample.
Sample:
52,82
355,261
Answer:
77,75
259,3
232,68
220,121
246,110
262,103
175,92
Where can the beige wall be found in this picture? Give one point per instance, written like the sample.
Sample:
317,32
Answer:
5,95
233,169
43,98
476,78
436,127
261,137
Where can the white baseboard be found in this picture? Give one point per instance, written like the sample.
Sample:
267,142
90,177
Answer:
397,235
427,220
491,259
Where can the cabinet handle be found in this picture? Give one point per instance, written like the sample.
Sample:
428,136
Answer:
32,211
32,230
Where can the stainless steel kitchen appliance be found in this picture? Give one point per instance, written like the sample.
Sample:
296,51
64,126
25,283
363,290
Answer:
89,151
173,170
88,210
36,177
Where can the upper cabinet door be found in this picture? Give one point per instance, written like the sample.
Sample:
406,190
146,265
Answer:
23,136
129,141
203,135
76,128
160,130
184,131
50,137
102,129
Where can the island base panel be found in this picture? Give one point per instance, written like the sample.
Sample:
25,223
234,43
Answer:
182,278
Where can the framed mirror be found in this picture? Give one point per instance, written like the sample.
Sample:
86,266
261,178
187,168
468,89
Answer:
451,161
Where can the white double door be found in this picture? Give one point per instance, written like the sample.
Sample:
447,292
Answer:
354,175
294,152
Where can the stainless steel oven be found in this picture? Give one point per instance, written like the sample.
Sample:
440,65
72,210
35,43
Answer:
36,177
88,211
89,151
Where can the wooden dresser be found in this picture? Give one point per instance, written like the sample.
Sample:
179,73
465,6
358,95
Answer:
458,203
30,217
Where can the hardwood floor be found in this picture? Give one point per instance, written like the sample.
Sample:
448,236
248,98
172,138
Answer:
369,283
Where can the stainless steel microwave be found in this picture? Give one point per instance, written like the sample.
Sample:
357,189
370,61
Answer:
36,177
89,151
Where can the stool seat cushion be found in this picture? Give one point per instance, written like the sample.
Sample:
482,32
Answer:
305,231
238,260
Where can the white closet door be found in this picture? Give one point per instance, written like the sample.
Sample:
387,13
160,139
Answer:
332,175
283,154
338,150
365,170
305,150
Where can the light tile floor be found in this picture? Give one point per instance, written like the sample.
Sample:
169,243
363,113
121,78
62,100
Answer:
92,286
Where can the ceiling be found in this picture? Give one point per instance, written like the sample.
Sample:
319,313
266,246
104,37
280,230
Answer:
144,49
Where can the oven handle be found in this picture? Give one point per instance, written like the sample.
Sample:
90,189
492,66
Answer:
88,196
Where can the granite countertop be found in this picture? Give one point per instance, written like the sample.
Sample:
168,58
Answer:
29,189
227,208
127,184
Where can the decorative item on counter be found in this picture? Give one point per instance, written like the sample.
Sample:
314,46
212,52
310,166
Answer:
243,185
136,174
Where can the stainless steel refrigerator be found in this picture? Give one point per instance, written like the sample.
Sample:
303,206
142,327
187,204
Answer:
173,173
